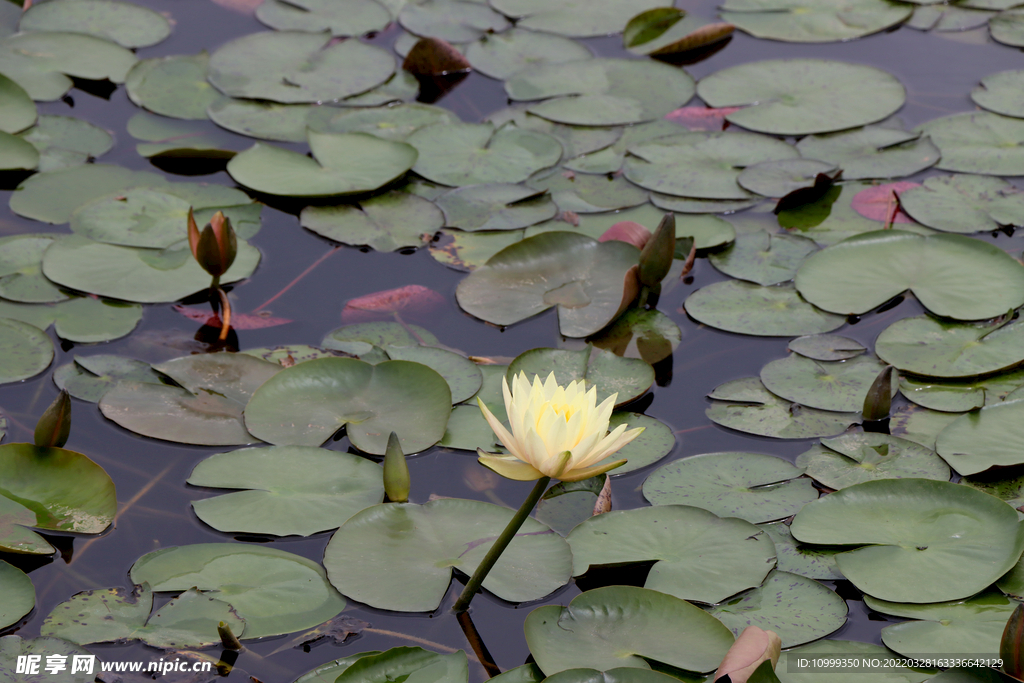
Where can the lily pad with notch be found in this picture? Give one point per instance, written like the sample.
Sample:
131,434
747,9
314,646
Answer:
978,142
841,386
814,21
828,347
985,438
746,308
501,206
166,138
462,375
1000,93
763,257
920,425
174,86
502,55
79,319
89,377
467,251
964,203
576,140
386,222
575,18
587,193
25,351
64,141
380,333
783,177
958,396
124,23
925,346
814,562
342,18
746,406
875,151
865,456
394,122
630,378
400,556
1007,27
42,61
454,21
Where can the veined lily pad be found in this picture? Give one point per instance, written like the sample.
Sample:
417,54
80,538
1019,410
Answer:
294,66
453,21
797,608
747,308
274,591
946,628
1000,93
872,152
467,251
81,319
757,488
978,142
501,55
602,92
405,663
814,562
979,440
840,386
13,647
17,595
51,489
624,626
789,672
305,404
951,275
630,378
173,86
495,207
473,153
779,178
113,614
927,541
214,389
400,556
583,277
700,556
124,23
89,377
343,163
344,18
814,21
387,222
576,18
648,335
703,165
964,203
21,272
763,257
583,193
64,141
826,347
25,351
858,457
961,396
934,348
920,425
289,490
801,96
746,406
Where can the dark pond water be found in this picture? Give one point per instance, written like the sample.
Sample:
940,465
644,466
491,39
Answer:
938,71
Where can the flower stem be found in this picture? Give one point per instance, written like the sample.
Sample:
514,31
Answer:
225,314
462,604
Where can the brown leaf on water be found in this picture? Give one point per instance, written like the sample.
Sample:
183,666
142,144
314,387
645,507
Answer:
570,217
434,57
239,321
409,301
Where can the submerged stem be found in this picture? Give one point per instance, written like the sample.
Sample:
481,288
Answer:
225,314
462,604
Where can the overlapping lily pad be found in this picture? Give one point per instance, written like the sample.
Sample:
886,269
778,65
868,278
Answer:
802,96
454,21
168,138
649,335
584,193
386,222
81,319
473,153
341,18
958,396
394,122
89,377
934,348
576,140
747,308
757,488
926,541
126,24
700,556
584,278
814,562
577,18
275,591
964,203
863,456
172,86
17,154
624,626
872,152
763,257
979,440
306,404
789,662
41,61
21,274
64,141
467,251
501,55
17,594
746,406
462,375
501,206
602,92
814,21
826,347
779,178
401,556
17,110
839,386
951,275
12,647
25,350
402,662
978,142
610,374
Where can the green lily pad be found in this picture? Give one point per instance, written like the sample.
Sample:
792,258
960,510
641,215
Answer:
386,222
951,275
795,607
746,406
790,671
306,404
839,386
474,153
327,673
17,110
601,92
463,375
139,217
41,61
576,18
293,66
1000,93
826,347
747,308
946,628
927,541
274,591
565,505
872,152
576,140
920,425
700,556
467,430
63,141
285,490
961,396
814,21
17,154
25,351
380,334
345,18
934,348
779,178
21,272
691,205
206,407
667,31
630,378
964,203
491,392
124,23
584,278
51,489
706,231
264,120
699,164
13,647
864,456
582,193
453,21
495,207
978,142
467,251
17,595
624,626
115,614
649,335
802,96
942,17
1008,28
173,86
400,88
174,138
814,562
982,439
757,488
405,663
609,158
89,377
762,257
400,556
395,122
501,55
81,319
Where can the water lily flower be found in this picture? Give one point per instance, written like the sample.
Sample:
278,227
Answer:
216,246
558,432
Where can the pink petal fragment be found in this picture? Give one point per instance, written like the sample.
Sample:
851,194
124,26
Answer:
876,202
239,321
410,300
628,232
701,118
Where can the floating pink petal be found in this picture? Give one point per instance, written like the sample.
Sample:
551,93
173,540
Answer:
409,301
628,232
701,118
239,321
876,202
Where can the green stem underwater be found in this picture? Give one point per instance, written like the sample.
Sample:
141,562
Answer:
462,604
